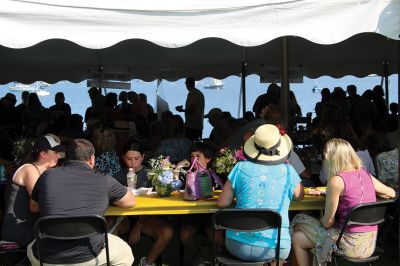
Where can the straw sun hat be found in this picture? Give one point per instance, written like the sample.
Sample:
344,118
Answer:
268,145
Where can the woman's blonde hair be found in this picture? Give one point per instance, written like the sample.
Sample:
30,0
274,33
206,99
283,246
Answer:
340,156
104,139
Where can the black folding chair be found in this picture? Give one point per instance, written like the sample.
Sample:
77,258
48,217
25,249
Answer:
69,228
364,214
13,256
392,220
244,220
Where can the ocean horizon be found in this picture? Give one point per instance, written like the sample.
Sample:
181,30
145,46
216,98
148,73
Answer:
227,98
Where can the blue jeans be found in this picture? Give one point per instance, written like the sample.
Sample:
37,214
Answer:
253,253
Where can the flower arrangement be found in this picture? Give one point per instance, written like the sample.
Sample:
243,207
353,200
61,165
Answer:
22,148
162,176
227,159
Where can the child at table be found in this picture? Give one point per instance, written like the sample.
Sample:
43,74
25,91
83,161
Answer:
155,227
194,223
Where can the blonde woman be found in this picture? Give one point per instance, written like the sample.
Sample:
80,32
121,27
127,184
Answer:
18,220
349,185
104,142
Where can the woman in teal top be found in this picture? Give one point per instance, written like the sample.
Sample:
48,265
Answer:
265,180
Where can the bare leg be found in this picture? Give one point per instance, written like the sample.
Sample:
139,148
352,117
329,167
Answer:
219,237
162,232
186,236
303,239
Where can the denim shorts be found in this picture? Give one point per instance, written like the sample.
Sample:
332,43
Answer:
253,253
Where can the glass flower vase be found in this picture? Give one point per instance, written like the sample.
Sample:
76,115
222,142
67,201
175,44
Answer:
164,191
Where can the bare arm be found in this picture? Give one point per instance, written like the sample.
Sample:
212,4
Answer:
26,176
136,231
334,189
226,198
382,190
298,192
179,166
126,201
30,180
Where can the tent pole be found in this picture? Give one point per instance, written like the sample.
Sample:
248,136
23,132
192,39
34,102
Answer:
285,81
159,80
386,73
243,85
398,128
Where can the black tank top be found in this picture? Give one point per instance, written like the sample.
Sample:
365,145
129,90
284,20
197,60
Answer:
18,221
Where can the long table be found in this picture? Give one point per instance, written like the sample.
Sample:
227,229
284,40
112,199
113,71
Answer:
174,204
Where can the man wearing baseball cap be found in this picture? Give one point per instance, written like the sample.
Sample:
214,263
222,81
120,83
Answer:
215,118
214,112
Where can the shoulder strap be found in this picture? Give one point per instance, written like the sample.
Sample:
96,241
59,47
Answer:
216,178
193,164
37,168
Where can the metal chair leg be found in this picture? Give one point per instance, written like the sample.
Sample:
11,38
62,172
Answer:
159,260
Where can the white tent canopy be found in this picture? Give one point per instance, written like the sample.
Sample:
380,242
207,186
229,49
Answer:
64,40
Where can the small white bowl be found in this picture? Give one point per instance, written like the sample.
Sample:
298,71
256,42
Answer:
144,190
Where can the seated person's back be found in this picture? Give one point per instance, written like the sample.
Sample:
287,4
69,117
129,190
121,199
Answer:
263,181
75,189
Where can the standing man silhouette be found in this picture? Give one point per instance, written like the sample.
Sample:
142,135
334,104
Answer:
194,111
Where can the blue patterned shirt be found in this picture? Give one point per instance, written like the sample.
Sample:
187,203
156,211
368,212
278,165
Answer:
108,163
262,186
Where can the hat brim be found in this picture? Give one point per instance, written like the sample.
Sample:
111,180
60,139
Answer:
58,148
250,151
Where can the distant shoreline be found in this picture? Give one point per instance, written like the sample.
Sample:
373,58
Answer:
226,98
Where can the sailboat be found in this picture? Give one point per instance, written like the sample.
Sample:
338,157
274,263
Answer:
214,84
37,88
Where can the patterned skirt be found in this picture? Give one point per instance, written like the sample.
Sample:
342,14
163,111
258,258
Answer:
352,245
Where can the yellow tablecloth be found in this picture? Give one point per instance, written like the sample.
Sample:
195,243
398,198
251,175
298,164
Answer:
174,204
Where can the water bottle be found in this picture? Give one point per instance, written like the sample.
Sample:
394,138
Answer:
131,179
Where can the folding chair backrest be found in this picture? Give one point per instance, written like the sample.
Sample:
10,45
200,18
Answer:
246,220
70,228
366,214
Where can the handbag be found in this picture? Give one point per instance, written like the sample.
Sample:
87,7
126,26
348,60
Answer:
199,183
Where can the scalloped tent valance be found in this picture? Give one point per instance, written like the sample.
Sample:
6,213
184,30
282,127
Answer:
63,40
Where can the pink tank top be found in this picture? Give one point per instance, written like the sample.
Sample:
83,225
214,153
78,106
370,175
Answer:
358,189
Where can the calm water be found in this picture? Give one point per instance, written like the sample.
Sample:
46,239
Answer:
226,98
